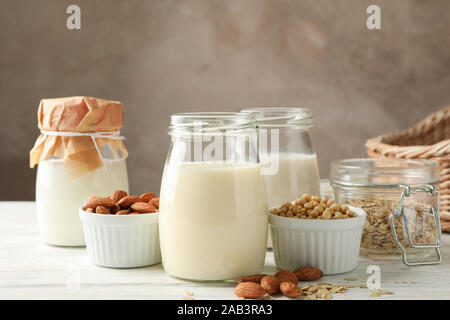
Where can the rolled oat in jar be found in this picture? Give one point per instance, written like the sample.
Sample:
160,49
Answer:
401,200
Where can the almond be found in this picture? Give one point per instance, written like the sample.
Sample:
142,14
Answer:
90,210
92,198
96,202
146,197
271,284
286,276
118,194
102,210
115,209
154,202
249,290
308,273
290,290
127,201
123,212
256,278
143,207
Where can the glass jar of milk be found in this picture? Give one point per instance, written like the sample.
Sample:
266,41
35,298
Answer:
213,205
79,153
287,155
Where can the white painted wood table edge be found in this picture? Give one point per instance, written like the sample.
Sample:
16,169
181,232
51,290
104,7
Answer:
32,270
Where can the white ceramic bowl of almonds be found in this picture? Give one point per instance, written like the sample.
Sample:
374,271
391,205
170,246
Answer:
122,241
331,245
122,231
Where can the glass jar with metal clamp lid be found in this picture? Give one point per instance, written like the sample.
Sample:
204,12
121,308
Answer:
401,199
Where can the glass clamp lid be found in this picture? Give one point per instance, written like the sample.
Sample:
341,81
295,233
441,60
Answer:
410,177
434,213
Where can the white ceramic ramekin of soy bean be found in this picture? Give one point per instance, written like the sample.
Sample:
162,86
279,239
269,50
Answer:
330,245
122,241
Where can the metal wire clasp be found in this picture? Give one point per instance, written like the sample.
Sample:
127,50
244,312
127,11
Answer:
434,212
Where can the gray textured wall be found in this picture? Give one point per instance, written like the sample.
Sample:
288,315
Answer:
167,56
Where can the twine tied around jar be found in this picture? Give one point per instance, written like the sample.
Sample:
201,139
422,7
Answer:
106,134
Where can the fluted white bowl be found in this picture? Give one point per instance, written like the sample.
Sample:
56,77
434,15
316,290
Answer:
122,241
330,245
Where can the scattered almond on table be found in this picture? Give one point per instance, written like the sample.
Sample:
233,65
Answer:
308,273
120,203
271,284
286,276
312,207
290,290
263,286
256,278
249,290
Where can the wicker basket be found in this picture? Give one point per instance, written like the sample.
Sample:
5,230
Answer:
429,139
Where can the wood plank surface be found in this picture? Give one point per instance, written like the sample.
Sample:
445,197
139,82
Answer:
32,270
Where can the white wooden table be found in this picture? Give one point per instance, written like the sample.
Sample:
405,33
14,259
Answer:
32,270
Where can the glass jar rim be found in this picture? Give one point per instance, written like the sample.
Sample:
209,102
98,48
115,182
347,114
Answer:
281,116
211,123
372,172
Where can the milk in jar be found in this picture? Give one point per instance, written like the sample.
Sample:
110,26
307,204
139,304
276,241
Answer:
59,197
297,174
213,220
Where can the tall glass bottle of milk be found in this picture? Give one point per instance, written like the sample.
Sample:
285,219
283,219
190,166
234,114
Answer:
80,153
213,205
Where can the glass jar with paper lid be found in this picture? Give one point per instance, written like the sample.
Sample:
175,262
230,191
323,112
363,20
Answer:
80,153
